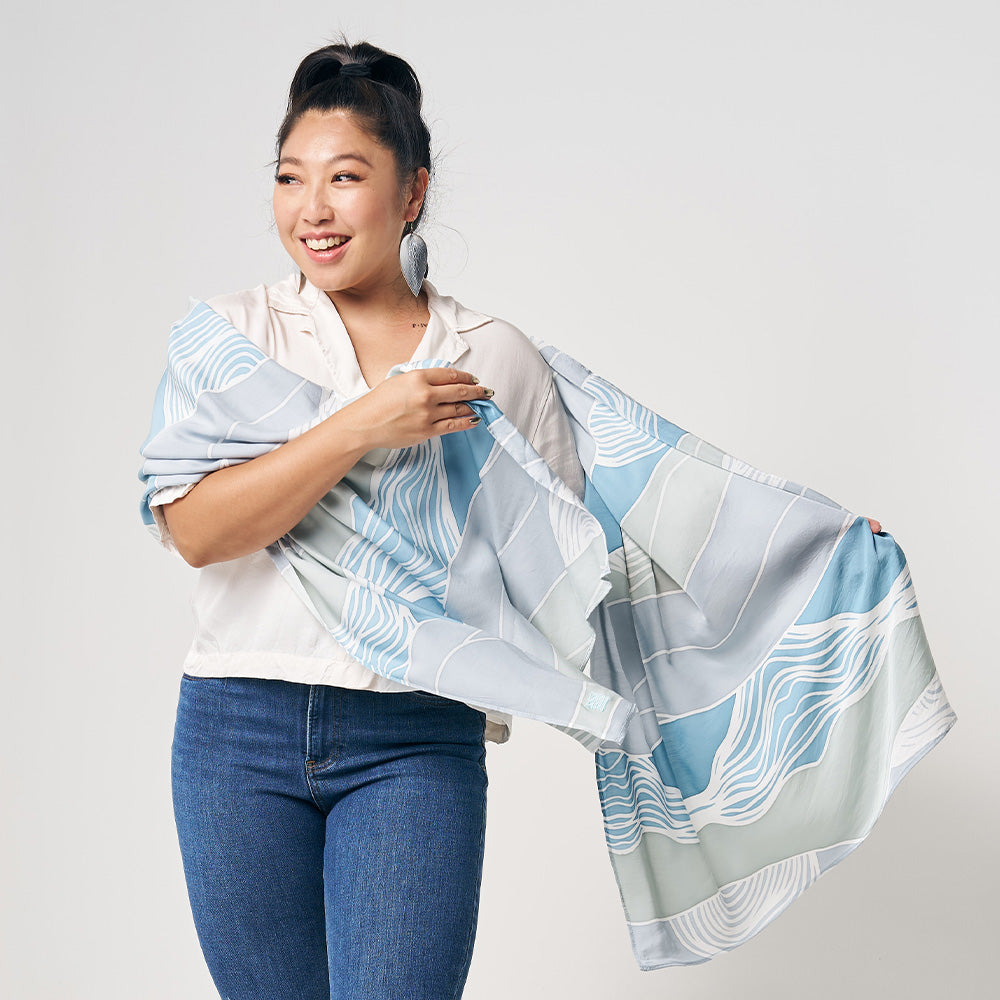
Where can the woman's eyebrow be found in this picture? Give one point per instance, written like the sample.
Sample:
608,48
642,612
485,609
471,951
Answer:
296,162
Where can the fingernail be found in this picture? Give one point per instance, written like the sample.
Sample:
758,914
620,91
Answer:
488,393
475,380
474,420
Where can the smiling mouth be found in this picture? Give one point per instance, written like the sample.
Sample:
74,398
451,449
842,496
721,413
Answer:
327,243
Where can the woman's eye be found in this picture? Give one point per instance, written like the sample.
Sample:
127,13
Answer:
292,179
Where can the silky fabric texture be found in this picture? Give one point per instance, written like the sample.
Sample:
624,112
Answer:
248,623
332,838
743,656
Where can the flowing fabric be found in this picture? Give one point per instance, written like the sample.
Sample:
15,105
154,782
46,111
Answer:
743,657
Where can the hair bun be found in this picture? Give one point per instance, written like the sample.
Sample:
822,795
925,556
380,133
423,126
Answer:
363,62
396,73
355,69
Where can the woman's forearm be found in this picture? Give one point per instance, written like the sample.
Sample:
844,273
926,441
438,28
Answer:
243,508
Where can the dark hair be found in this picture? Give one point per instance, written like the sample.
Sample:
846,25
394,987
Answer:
382,92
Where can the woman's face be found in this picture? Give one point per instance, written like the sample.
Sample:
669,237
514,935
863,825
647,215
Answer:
338,204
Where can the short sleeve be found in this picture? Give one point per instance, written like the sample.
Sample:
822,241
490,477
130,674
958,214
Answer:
163,496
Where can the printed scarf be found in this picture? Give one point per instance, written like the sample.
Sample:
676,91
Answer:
742,656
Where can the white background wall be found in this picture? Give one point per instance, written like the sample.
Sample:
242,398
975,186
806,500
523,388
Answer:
774,222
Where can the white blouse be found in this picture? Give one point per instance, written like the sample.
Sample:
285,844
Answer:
248,622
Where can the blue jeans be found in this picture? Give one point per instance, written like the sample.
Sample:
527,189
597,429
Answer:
332,838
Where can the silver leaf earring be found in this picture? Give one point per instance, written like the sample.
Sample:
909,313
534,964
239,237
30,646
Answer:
413,259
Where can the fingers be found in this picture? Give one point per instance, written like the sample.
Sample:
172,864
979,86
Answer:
465,385
448,376
456,416
426,402
450,390
874,525
453,424
454,389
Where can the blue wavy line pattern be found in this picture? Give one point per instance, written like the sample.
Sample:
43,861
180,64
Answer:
406,539
636,800
625,432
780,722
204,352
784,714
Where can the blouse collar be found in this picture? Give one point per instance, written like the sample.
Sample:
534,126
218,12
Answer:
443,338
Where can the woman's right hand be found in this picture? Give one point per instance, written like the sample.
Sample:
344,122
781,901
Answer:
416,405
244,508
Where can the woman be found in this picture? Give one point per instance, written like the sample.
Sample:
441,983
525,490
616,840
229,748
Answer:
331,820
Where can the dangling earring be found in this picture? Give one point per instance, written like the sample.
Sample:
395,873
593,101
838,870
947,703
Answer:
413,259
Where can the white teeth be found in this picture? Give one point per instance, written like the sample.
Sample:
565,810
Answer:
326,243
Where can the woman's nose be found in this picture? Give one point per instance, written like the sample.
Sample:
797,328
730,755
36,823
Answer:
318,207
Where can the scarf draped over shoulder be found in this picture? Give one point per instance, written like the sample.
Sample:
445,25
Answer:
742,656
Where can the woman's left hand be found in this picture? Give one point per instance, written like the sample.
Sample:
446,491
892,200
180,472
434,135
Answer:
875,526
